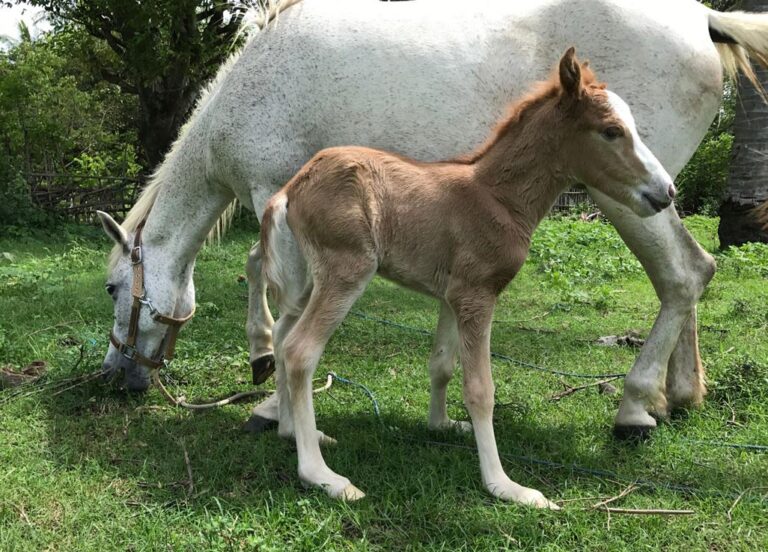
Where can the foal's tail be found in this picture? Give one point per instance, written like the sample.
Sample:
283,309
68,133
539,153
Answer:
283,264
739,37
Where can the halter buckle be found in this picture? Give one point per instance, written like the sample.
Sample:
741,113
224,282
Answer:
128,351
136,256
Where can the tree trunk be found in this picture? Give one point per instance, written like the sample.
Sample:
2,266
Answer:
162,110
748,176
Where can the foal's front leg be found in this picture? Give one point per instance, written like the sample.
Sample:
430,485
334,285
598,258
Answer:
474,323
442,362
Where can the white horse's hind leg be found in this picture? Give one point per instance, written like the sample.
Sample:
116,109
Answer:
679,270
259,325
442,362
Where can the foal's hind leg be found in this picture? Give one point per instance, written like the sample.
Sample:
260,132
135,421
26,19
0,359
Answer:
442,362
328,305
259,325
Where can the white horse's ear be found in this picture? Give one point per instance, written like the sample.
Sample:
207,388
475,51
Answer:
570,73
114,231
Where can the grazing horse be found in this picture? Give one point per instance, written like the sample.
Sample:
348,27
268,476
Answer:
457,230
428,78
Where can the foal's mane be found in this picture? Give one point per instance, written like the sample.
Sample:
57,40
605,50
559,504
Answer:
539,93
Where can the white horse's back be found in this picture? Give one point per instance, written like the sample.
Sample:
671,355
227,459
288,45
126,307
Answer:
427,78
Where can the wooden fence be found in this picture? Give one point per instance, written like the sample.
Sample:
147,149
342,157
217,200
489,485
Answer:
576,197
77,197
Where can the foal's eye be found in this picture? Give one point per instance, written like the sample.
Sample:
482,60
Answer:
612,132
110,289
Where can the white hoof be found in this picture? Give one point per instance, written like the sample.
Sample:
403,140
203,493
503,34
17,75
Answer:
322,438
455,425
351,494
513,492
335,485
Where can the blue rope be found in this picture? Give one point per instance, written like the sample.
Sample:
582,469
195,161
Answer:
754,448
365,390
677,487
498,356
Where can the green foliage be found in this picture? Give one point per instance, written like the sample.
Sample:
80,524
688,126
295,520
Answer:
750,259
162,52
578,258
91,468
704,180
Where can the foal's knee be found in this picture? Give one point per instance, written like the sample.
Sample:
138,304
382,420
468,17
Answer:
301,357
478,398
441,365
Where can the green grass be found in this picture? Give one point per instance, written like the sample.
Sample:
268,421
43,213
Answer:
95,469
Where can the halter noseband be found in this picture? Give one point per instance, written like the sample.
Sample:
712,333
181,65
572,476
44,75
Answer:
128,349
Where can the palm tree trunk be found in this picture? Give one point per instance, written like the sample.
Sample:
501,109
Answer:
748,176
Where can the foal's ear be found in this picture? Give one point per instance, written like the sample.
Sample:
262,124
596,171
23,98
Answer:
114,231
570,73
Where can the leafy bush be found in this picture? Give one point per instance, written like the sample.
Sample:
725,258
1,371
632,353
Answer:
750,259
575,256
703,181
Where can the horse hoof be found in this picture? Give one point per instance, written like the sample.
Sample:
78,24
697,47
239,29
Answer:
258,424
262,368
632,432
351,493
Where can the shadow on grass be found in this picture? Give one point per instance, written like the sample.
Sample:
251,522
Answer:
145,444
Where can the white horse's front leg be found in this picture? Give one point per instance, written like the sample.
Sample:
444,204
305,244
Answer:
442,362
679,270
260,322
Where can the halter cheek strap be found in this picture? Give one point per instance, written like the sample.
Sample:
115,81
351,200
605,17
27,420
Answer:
128,349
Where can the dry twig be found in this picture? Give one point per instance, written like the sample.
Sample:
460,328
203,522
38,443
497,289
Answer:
729,513
571,390
190,481
646,512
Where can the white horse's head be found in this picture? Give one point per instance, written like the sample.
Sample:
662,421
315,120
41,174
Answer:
152,300
605,150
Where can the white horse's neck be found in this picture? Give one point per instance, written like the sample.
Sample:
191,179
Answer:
185,209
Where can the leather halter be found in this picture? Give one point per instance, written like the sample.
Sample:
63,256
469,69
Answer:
128,349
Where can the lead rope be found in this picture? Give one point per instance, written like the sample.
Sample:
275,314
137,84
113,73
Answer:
181,401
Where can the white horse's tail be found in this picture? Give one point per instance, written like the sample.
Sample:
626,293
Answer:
739,37
283,264
762,215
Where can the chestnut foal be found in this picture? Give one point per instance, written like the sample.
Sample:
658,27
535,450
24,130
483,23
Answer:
458,230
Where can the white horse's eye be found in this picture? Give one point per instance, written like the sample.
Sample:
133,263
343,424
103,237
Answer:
110,289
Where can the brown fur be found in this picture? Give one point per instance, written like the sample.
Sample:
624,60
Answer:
457,230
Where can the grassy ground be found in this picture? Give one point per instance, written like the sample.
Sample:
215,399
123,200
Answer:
94,469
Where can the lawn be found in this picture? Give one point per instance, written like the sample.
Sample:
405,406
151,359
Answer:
92,468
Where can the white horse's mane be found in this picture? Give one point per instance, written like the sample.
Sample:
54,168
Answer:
260,18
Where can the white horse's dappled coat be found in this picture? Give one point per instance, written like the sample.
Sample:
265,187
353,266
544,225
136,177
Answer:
427,78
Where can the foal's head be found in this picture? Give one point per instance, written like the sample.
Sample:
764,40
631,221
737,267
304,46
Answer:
601,147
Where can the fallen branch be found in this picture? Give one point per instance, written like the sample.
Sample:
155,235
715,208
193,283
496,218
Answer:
571,390
621,495
190,481
643,512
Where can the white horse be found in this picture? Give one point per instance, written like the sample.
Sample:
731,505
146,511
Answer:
428,78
